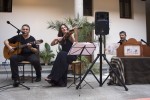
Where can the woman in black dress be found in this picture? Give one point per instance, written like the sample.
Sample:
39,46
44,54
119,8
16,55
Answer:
58,75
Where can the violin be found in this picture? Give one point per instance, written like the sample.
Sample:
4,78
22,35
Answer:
66,36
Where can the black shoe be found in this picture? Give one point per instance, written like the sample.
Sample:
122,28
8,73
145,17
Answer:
16,83
38,79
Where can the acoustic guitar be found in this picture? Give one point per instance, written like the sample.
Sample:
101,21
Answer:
17,48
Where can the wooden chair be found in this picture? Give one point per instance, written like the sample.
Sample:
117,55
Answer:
76,69
23,63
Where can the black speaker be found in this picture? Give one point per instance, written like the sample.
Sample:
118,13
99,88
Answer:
101,23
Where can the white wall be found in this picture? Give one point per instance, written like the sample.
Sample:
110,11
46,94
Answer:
135,27
37,13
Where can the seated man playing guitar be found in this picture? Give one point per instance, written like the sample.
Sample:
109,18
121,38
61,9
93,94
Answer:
25,52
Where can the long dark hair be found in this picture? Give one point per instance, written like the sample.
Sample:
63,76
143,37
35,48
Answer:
60,33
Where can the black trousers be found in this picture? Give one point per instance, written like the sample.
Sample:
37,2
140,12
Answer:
60,68
33,59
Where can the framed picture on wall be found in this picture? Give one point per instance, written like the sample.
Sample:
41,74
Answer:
132,50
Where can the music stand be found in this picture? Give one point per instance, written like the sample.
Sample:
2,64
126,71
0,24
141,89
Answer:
82,49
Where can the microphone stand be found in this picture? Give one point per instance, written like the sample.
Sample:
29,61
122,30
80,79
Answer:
18,31
148,44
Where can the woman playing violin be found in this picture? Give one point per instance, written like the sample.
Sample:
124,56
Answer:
58,75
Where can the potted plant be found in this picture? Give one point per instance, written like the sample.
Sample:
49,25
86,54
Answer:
46,54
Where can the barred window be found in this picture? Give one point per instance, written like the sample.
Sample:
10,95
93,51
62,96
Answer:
5,5
87,7
125,9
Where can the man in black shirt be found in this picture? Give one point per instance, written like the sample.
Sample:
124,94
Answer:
28,53
123,36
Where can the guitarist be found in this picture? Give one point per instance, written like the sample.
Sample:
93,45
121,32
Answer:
28,53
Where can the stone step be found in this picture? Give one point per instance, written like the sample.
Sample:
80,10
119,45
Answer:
6,69
45,68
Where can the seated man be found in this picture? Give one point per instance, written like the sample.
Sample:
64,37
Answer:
117,64
27,53
123,36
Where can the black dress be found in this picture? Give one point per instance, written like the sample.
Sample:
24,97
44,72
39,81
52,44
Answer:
59,71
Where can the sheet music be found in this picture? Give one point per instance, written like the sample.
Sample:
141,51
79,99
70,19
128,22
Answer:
78,46
111,48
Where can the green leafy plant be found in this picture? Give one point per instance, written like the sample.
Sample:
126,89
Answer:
54,25
47,54
85,32
84,60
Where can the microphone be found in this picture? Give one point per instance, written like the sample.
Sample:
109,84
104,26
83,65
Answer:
22,32
144,42
120,41
18,30
8,22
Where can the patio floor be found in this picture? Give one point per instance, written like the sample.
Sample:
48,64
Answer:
43,91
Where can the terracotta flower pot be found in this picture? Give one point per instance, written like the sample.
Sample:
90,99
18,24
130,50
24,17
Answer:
77,68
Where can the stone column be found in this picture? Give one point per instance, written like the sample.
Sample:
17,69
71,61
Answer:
78,8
